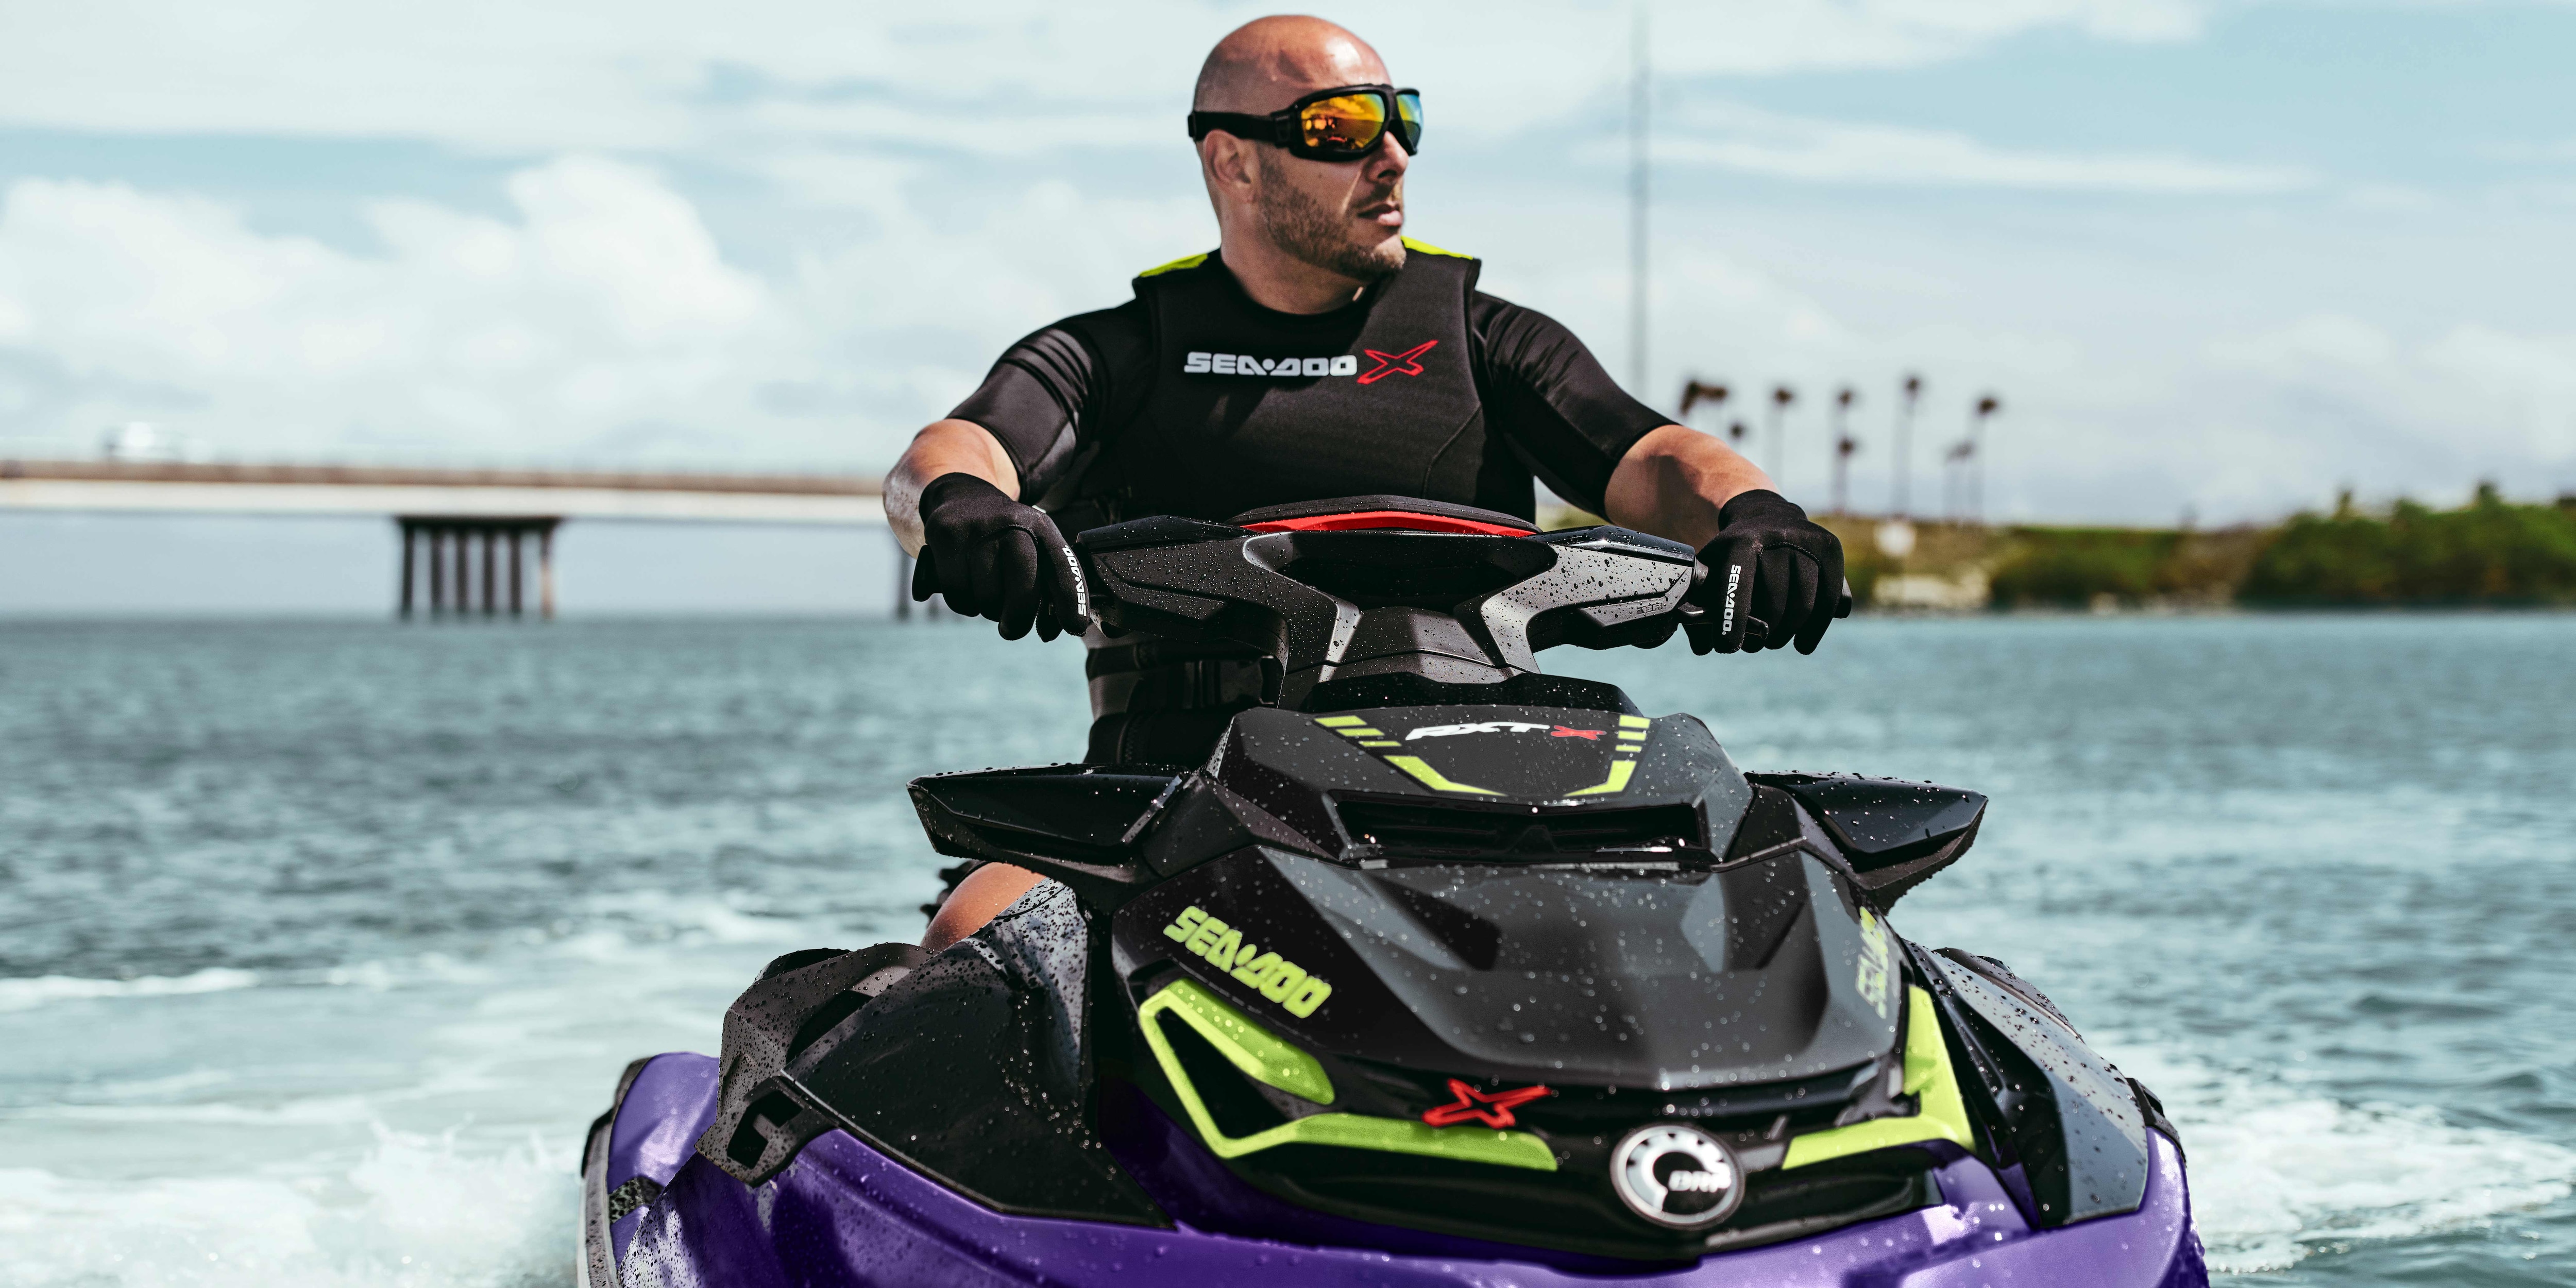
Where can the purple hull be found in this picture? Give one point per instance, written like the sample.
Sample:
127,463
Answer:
844,1214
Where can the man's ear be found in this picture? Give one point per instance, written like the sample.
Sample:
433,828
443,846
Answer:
1229,164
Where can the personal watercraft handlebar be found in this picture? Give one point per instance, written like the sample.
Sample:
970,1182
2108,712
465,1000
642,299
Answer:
1449,607
1368,590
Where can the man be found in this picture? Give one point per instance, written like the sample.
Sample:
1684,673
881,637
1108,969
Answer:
1376,367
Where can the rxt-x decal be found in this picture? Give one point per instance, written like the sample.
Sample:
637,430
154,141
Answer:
1395,364
1492,1108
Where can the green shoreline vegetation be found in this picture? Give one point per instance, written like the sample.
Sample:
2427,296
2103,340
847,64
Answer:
2489,553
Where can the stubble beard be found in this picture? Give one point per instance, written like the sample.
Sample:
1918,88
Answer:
1305,228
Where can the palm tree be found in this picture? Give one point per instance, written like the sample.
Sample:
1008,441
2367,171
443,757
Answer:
1954,469
1696,392
1987,406
1844,446
1913,388
1781,397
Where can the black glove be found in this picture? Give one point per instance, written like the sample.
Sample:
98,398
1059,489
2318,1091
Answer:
994,557
1773,576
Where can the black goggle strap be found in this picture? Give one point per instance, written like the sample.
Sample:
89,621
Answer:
1286,128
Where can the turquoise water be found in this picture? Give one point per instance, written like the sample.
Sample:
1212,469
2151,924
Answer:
320,943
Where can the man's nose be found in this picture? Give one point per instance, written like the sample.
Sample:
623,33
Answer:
1388,160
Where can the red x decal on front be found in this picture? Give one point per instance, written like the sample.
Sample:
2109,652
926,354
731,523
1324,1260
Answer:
1492,1108
1395,364
1588,735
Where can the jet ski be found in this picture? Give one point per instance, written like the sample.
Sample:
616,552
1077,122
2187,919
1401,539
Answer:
1440,971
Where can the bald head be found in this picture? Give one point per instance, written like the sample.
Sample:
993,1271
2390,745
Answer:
1268,63
1302,234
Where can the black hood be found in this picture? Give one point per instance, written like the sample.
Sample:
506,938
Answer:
1481,915
1582,975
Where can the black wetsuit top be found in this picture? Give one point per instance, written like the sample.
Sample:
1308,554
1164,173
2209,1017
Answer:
1192,399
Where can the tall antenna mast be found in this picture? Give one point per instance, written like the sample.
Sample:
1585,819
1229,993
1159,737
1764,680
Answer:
1637,206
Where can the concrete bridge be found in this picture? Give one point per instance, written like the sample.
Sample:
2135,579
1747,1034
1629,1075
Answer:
466,532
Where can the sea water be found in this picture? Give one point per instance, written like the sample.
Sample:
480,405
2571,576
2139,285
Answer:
320,944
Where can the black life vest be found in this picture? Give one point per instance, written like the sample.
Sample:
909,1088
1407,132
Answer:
1251,407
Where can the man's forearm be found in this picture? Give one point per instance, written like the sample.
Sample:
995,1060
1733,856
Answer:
945,447
1674,481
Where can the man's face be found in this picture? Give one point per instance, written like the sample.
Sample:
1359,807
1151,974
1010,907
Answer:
1346,217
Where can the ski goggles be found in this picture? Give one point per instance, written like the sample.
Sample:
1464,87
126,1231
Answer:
1342,124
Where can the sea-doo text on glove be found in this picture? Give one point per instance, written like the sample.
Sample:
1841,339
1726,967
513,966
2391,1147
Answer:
994,557
1773,576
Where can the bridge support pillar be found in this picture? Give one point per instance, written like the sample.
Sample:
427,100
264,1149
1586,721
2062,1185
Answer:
409,533
437,570
447,544
904,566
902,581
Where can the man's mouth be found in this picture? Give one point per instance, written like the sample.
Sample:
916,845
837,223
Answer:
1389,214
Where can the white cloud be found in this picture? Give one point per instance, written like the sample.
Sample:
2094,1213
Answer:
2319,341
605,303
2415,415
601,320
2558,150
2528,380
484,74
1741,138
901,188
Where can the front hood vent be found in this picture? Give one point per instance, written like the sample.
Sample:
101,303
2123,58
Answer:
1450,832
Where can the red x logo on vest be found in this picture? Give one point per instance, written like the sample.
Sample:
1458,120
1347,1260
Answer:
1395,364
1492,1108
1588,735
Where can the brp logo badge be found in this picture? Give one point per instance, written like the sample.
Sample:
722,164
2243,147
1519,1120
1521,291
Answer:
1676,1176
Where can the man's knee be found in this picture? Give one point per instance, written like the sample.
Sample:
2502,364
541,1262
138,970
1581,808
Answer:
980,897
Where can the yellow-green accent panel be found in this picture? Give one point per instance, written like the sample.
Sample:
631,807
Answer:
1635,722
1259,1054
1340,722
1363,732
1620,772
1186,261
1940,1114
1429,249
1433,778
1252,1048
1381,744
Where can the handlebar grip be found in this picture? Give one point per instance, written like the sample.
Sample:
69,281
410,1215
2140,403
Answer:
1694,617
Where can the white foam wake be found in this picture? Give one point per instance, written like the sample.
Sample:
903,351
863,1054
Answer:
414,1212
26,994
2276,1174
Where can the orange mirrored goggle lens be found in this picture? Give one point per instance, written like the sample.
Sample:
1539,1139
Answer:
1345,122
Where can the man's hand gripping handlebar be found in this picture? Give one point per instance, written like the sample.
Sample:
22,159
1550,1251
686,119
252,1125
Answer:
995,558
1771,577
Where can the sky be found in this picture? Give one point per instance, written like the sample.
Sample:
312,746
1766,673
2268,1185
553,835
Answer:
2218,260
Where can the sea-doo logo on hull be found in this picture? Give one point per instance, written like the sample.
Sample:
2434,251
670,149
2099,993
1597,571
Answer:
1676,1176
1279,979
1244,364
